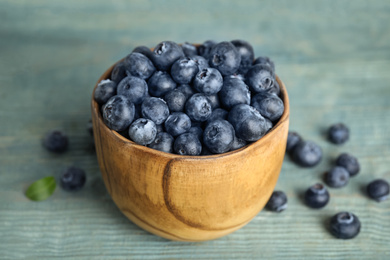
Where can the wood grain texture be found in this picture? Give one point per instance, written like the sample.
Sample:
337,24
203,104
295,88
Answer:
334,57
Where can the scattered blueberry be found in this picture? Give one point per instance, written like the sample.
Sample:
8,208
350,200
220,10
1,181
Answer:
277,202
307,154
205,48
104,91
234,92
247,55
184,70
138,65
198,107
177,123
293,139
176,100
337,177
338,133
218,136
160,84
143,131
317,196
163,142
260,78
265,61
208,81
55,141
118,113
118,72
378,190
155,109
345,225
187,144
165,54
269,105
349,162
189,49
73,179
135,89
224,57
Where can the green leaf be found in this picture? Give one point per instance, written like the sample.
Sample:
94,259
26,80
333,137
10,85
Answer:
41,189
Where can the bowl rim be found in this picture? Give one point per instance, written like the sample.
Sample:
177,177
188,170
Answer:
145,149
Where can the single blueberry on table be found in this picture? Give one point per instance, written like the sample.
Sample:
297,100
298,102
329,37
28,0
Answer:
55,141
378,190
118,72
176,100
349,162
277,202
208,81
317,196
187,144
155,109
345,225
198,107
269,105
265,61
205,48
138,65
104,91
247,55
135,89
143,131
72,179
184,70
197,131
144,50
177,123
293,139
234,91
237,143
165,54
307,154
218,113
163,142
337,177
214,101
260,78
160,84
189,49
225,58
218,136
118,113
338,133
201,62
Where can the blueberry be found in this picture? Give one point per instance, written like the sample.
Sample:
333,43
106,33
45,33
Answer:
208,81
265,61
345,225
184,70
349,162
165,54
201,62
198,107
137,112
163,142
269,105
206,151
197,131
277,202
337,177
143,131
317,196
177,123
187,90
189,49
307,154
214,101
135,89
237,143
234,92
187,144
225,57
218,136
144,50
378,190
293,139
248,123
55,141
247,55
205,48
275,89
155,109
218,113
176,100
160,128
104,91
160,84
118,72
139,65
338,133
260,78
118,113
73,179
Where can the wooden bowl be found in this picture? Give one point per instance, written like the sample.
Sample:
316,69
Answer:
190,198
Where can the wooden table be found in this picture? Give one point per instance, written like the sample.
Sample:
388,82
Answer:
334,57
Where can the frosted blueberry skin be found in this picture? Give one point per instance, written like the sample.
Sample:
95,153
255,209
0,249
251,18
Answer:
184,70
160,83
163,142
214,101
225,58
104,91
187,144
118,72
201,62
143,131
265,61
176,100
55,141
118,113
208,81
135,89
237,143
293,139
144,50
277,202
307,154
275,89
155,109
349,162
197,131
247,55
177,123
269,105
205,48
260,78
337,177
248,123
187,90
189,49
218,136
338,133
234,91
317,196
378,190
138,65
72,179
198,107
218,113
165,54
344,225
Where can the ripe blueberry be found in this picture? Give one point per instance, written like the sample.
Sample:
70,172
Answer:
269,105
208,81
345,225
160,84
176,100
165,54
247,55
205,48
187,144
118,72
73,179
198,107
277,202
307,154
225,57
138,65
155,109
338,133
201,62
378,190
189,49
118,113
265,61
218,136
349,162
163,142
143,131
292,140
135,89
260,78
317,196
55,141
177,123
234,92
337,177
184,70
104,91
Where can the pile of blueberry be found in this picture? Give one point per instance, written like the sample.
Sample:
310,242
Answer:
344,225
192,100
